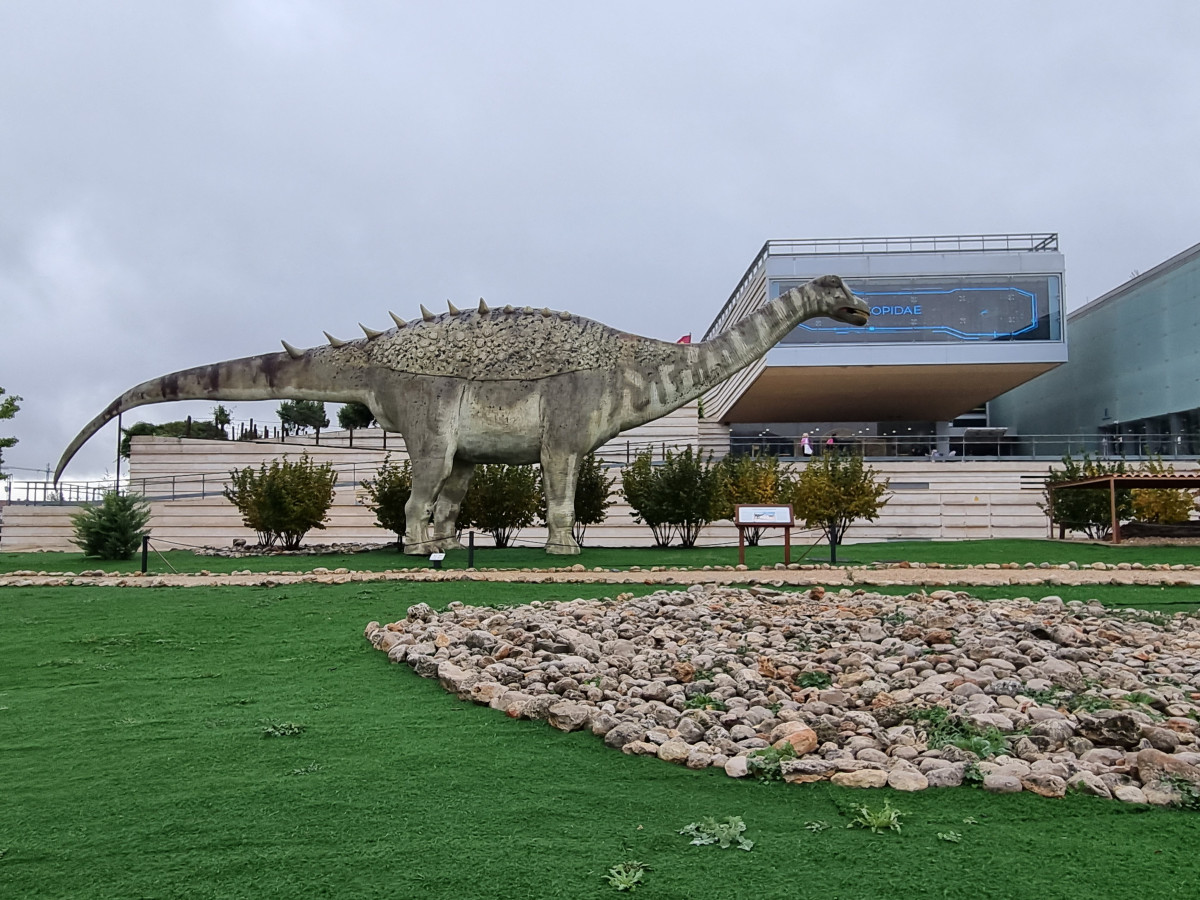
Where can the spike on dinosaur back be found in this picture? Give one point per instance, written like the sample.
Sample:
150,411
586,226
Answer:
292,351
400,323
454,310
483,307
426,314
333,342
371,333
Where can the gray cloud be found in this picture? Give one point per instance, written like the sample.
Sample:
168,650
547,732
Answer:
183,183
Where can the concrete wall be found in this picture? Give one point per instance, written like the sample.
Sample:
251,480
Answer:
930,501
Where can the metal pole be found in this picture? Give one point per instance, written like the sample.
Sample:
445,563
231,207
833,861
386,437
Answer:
470,549
145,551
118,487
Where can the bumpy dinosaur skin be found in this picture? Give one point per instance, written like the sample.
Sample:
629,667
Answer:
497,385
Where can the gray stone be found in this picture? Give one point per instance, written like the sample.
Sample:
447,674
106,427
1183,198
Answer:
1088,783
946,776
1002,784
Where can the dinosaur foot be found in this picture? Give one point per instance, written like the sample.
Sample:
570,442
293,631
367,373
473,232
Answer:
433,545
555,548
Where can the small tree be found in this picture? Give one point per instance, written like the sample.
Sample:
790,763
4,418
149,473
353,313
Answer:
593,496
680,496
1086,510
222,418
691,487
1161,505
643,492
355,415
9,406
114,528
283,501
834,490
389,491
754,480
501,500
299,415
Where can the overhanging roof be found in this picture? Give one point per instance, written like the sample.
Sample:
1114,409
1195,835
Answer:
875,393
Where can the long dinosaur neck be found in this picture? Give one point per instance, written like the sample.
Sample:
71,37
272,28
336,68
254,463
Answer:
695,368
271,376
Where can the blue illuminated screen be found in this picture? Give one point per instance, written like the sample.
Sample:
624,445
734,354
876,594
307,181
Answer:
943,309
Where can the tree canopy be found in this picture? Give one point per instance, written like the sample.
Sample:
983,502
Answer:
299,415
9,406
355,415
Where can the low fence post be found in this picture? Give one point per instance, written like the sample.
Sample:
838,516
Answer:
145,551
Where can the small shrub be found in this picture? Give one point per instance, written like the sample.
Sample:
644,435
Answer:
114,529
952,837
627,876
877,821
764,762
501,500
705,701
726,834
282,729
814,680
388,493
816,827
283,501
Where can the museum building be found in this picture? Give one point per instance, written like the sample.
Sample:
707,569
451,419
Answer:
1133,380
955,322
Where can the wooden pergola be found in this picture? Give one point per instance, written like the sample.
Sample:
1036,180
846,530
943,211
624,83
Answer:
1114,482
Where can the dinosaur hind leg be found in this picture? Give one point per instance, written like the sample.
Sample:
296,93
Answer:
449,502
560,473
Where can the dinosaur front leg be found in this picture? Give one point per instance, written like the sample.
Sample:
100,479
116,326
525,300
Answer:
560,472
449,502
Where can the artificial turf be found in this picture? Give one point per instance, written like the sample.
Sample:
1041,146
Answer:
164,560
133,763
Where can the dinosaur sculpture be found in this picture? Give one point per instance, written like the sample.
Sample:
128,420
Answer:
496,385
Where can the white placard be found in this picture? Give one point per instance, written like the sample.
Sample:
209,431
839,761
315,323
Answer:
764,515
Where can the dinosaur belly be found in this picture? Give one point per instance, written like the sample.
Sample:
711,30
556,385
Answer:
500,422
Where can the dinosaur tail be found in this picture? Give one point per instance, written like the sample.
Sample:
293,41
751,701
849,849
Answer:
271,376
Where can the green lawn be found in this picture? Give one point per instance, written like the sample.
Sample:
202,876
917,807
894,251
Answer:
949,552
133,764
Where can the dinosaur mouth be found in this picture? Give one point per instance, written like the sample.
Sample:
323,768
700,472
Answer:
852,316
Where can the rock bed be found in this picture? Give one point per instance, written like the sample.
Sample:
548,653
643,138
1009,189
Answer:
857,688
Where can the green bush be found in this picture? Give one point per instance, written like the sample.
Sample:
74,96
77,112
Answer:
185,428
1086,510
682,495
114,529
501,500
388,492
284,501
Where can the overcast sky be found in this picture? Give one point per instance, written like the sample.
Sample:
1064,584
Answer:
182,183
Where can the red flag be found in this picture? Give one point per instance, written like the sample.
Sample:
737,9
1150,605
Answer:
686,339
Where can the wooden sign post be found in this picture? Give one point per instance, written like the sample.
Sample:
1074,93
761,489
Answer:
749,516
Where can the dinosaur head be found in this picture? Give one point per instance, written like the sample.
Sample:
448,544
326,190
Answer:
839,302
